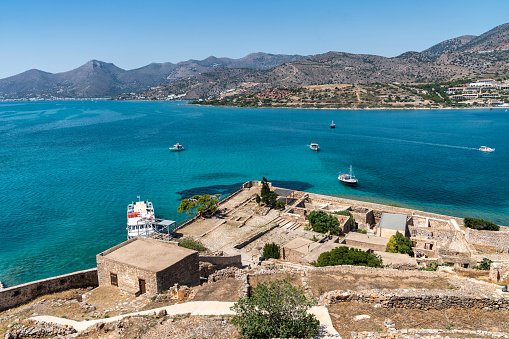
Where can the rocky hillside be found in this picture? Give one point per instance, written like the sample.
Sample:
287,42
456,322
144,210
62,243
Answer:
448,45
327,68
496,39
457,58
100,79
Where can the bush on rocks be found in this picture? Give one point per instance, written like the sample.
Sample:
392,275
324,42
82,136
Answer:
480,224
322,222
271,250
347,256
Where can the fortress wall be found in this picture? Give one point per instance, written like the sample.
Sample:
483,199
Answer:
499,239
20,294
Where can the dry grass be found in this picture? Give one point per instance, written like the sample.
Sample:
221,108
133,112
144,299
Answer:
342,315
224,290
321,282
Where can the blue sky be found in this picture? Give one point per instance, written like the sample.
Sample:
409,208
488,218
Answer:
57,36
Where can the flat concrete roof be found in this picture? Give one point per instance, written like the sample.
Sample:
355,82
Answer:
148,254
301,245
393,222
366,238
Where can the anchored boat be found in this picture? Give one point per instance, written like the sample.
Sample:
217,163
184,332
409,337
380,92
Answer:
140,219
141,222
177,147
348,179
332,125
314,147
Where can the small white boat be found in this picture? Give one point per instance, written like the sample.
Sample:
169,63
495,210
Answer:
177,147
486,149
332,125
348,179
314,147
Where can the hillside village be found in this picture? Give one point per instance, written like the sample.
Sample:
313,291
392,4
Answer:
143,287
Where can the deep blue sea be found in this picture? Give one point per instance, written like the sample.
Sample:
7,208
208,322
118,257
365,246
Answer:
69,169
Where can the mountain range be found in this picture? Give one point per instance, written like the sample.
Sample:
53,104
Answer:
466,56
97,79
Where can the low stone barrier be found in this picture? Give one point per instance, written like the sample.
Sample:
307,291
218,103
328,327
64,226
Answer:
39,330
419,299
20,294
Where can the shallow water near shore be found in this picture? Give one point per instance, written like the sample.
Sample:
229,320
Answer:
69,168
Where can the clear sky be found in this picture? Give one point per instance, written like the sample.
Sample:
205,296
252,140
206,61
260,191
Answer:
57,36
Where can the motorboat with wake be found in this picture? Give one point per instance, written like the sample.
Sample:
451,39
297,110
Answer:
348,179
314,147
486,149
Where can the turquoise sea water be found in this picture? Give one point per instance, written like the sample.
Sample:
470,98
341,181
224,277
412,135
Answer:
69,169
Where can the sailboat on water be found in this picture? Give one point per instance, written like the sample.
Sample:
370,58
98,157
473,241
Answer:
332,125
348,179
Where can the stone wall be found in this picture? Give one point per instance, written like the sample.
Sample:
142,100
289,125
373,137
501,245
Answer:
374,247
498,240
184,272
223,261
127,276
20,294
291,255
363,217
416,231
419,299
499,271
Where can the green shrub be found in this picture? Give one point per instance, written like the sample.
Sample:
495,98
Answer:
484,265
275,310
433,266
271,250
281,205
480,224
347,256
362,231
399,244
192,244
322,222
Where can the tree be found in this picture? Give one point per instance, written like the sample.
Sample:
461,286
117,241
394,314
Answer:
203,204
323,222
398,243
275,310
271,250
268,197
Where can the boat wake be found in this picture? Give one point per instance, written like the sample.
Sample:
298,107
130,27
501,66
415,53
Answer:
435,144
425,143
